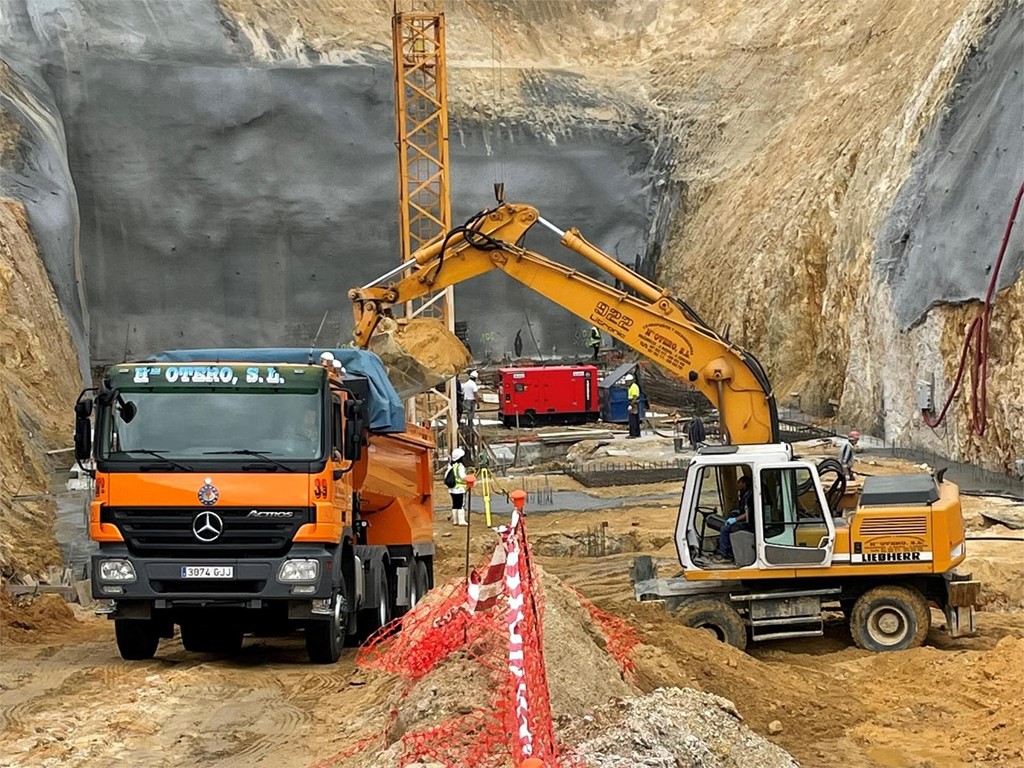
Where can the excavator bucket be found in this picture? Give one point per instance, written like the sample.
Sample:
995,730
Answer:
419,354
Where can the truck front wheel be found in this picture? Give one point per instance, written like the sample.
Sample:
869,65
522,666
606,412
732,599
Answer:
137,639
890,619
325,638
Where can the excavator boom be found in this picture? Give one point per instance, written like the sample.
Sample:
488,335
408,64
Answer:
652,322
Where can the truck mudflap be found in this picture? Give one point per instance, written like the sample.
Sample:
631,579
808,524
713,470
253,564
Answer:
962,594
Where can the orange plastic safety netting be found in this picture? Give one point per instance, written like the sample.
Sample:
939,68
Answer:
620,637
494,646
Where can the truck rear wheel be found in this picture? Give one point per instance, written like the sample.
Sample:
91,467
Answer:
420,582
717,617
204,638
372,619
326,638
890,619
137,639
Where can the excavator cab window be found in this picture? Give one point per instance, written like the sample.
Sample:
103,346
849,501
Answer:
715,500
793,525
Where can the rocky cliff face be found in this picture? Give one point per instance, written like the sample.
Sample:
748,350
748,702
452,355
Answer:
827,180
833,175
38,384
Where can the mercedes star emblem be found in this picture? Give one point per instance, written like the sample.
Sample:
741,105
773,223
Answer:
207,526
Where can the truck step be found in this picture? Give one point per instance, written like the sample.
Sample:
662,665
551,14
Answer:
786,621
783,635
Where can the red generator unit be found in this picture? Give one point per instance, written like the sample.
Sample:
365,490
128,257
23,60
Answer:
556,394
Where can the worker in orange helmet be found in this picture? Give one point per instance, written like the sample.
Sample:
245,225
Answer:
846,449
532,762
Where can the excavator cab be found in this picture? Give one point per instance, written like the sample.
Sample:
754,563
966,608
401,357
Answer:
792,526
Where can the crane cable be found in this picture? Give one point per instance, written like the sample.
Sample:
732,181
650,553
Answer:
976,340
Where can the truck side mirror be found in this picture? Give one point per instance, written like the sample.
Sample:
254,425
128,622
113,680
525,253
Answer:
355,425
83,408
83,435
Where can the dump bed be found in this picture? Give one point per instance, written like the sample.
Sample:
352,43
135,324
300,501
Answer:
396,489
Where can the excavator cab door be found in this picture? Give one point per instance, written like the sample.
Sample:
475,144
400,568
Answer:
794,527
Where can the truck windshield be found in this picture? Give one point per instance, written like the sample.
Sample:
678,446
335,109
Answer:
212,424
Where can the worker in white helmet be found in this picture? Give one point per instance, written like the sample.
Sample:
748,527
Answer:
455,480
327,360
469,397
846,451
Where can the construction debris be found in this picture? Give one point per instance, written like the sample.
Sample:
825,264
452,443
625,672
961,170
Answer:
575,436
673,728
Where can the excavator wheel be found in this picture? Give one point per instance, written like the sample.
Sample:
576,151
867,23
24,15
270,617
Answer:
716,616
890,618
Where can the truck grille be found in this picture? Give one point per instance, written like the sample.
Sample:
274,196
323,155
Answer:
894,526
168,531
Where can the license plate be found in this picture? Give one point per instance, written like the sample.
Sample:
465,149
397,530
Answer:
207,571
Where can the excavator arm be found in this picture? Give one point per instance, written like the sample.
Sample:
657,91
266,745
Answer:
652,322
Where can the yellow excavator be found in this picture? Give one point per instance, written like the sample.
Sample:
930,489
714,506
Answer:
884,554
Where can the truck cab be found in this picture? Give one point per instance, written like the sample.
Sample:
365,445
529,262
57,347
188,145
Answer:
240,497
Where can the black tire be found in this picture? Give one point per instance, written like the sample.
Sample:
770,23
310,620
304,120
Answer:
891,618
372,619
326,638
203,638
137,639
846,606
420,581
716,616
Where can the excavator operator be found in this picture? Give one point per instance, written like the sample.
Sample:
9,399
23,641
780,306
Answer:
741,519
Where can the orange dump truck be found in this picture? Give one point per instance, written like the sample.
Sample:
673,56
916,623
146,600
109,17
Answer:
274,492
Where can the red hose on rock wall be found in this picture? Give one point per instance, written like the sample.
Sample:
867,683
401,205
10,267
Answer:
977,335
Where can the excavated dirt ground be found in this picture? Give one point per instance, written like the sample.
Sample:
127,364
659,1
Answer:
67,699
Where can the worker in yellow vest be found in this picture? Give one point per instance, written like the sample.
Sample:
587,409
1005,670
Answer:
633,395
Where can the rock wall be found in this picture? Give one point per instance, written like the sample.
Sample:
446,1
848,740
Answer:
825,180
39,381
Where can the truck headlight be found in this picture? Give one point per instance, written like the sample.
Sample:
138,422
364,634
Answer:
299,570
117,570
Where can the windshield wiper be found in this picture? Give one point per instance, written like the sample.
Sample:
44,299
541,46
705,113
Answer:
160,455
248,452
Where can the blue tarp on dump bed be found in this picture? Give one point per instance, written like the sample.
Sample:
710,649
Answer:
385,410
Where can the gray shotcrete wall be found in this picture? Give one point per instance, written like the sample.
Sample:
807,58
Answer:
225,201
942,236
183,193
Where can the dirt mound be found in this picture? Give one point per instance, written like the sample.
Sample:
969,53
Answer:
419,353
999,566
30,620
673,728
581,674
821,698
674,655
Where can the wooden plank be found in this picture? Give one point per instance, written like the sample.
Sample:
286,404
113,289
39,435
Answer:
20,590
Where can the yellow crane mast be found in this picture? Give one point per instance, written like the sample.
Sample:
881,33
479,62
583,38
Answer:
424,180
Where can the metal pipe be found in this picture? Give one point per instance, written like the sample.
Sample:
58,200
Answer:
549,225
388,275
423,306
574,241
